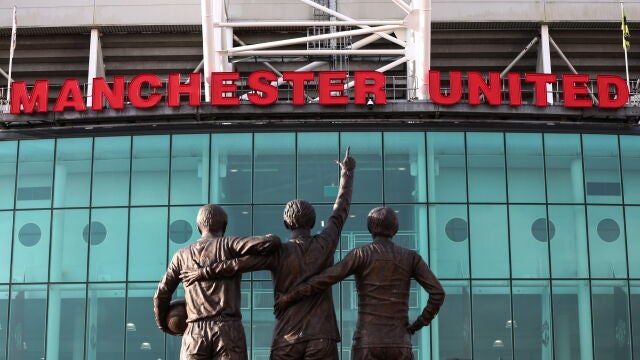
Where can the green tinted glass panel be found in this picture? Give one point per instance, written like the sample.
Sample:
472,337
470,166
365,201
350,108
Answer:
349,314
182,227
105,322
530,233
492,309
150,170
405,175
8,159
317,172
531,321
489,241
72,172
274,162
571,337
239,221
630,158
147,342
68,246
26,322
111,171
4,320
108,249
485,166
6,227
602,169
525,168
267,219
563,159
449,246
66,321
632,214
608,258
355,233
31,246
446,167
635,317
453,323
190,169
611,322
147,244
231,168
35,174
569,257
413,228
262,317
366,149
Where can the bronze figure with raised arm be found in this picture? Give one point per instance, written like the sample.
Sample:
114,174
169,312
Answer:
214,329
383,271
307,330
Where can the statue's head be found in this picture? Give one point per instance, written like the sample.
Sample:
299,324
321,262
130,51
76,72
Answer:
212,218
382,222
299,214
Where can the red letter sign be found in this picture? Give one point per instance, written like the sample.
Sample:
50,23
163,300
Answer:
223,83
376,87
435,89
175,89
329,90
266,94
477,85
21,100
620,96
298,78
515,89
115,97
70,96
574,85
135,91
540,85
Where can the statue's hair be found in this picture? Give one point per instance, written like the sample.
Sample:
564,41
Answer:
299,214
382,221
213,218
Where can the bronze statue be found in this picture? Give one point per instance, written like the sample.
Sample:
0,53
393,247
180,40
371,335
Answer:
307,330
383,271
214,329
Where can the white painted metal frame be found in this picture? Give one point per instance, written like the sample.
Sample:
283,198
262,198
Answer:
217,36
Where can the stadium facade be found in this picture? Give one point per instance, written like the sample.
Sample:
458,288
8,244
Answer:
520,193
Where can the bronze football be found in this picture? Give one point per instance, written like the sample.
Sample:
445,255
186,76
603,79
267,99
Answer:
177,317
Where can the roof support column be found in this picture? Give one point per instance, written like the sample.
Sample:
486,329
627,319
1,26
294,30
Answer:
96,63
419,46
213,41
544,59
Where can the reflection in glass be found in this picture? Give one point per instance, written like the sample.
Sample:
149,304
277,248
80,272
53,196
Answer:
66,321
611,325
602,169
608,258
491,312
572,320
8,159
632,214
4,320
105,322
35,174
318,175
405,177
147,244
569,257
635,317
489,241
231,168
107,260
529,255
449,256
68,248
189,169
262,316
111,167
274,161
525,168
31,255
28,309
150,170
630,157
452,327
563,158
366,148
6,224
485,164
446,167
147,342
531,322
72,172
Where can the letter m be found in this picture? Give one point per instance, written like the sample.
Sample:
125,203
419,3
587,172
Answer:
22,101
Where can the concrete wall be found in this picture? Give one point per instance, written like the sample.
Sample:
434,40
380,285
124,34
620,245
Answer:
127,12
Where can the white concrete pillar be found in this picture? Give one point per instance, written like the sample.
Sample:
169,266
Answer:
419,46
544,59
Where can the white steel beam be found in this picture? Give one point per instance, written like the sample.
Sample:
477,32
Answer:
96,63
403,5
304,52
312,38
419,45
346,18
304,23
213,41
544,59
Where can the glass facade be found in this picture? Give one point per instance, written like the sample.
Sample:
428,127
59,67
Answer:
534,236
